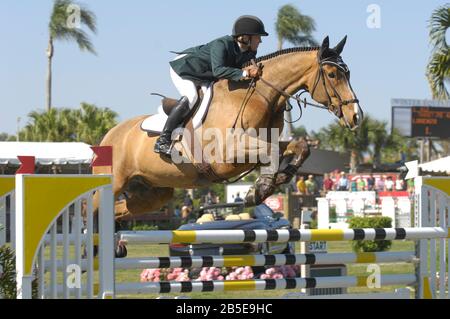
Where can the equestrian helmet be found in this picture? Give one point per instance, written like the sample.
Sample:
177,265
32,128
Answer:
248,25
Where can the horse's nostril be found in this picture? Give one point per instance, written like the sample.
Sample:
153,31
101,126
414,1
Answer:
356,119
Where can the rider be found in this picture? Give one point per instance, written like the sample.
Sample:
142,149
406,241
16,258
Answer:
219,59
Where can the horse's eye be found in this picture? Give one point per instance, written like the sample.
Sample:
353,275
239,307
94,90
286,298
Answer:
332,75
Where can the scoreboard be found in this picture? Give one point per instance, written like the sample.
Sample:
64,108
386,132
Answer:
430,122
420,118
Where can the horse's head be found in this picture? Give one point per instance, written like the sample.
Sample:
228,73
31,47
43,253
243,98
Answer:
332,85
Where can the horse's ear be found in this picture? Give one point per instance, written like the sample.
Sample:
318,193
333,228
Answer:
340,46
324,47
325,43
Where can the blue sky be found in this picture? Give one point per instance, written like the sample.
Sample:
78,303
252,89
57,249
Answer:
134,39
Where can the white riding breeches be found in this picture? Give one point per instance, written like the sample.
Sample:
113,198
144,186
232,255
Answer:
185,87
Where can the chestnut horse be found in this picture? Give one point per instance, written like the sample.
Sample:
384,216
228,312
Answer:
147,180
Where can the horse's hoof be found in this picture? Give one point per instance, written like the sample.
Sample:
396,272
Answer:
121,251
250,197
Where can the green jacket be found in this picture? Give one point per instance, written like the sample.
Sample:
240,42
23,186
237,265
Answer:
219,59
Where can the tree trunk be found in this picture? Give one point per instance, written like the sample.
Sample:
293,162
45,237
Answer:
353,161
49,74
377,158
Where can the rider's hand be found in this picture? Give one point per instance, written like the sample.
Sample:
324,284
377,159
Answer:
253,72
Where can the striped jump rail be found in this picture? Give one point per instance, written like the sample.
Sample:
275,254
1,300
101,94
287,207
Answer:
281,235
263,260
249,260
260,284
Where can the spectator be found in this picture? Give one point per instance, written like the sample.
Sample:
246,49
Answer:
380,185
177,211
327,183
398,184
301,187
371,183
188,201
343,182
361,185
188,206
410,184
389,185
238,198
353,186
311,186
335,179
211,199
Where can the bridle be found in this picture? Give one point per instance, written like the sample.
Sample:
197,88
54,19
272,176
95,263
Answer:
340,65
336,109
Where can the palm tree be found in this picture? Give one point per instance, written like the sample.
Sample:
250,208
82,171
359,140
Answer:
438,69
60,28
87,124
337,138
384,145
93,123
296,28
47,126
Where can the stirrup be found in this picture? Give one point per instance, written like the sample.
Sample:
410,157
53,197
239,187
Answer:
163,145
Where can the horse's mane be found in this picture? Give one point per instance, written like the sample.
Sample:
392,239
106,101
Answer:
282,52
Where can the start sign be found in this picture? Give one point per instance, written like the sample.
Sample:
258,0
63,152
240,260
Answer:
317,247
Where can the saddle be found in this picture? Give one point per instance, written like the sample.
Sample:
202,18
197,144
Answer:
155,123
169,103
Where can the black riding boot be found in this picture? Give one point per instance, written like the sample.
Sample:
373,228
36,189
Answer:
176,117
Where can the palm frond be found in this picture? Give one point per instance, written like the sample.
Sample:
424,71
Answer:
438,73
438,24
89,19
292,25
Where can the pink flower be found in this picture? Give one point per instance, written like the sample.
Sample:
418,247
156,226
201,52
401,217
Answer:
171,276
270,271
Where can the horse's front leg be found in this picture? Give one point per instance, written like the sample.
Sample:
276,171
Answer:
295,154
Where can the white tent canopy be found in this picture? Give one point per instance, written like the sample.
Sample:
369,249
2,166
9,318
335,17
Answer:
439,165
46,153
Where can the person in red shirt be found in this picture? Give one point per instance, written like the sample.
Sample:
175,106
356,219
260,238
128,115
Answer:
327,183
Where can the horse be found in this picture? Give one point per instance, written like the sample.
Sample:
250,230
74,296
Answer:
146,180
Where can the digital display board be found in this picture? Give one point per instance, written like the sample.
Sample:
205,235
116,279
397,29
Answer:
421,118
430,122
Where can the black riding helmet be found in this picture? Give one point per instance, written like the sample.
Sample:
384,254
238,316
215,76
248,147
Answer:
248,25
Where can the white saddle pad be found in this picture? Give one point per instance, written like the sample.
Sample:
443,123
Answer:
155,123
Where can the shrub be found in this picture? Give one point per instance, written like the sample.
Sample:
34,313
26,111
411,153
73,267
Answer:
145,227
7,273
370,222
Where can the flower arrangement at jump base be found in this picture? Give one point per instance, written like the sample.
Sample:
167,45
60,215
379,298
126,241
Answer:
214,273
